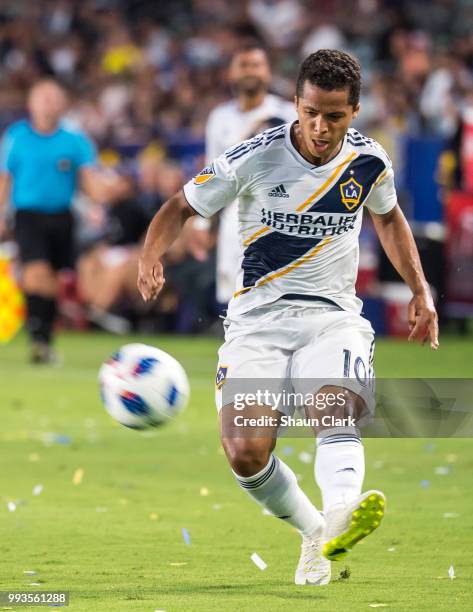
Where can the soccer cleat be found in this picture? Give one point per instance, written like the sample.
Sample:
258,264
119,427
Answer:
349,524
313,567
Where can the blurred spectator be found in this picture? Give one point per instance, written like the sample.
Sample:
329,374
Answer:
145,75
43,164
249,113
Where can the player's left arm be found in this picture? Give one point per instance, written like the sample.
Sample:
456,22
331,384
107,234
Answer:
398,243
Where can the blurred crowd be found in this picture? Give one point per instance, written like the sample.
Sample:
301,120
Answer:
143,76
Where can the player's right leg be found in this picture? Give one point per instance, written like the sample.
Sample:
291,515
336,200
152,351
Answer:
272,484
249,352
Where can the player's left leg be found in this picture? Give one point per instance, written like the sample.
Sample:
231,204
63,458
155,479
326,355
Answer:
339,472
253,352
337,363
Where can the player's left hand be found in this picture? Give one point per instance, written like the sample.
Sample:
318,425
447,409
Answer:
423,320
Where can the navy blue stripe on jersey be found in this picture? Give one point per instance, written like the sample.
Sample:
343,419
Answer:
361,143
268,135
250,145
273,252
365,169
309,298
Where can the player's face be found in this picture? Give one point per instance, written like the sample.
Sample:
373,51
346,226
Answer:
324,118
250,72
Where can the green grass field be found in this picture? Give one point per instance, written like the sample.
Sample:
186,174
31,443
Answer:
115,539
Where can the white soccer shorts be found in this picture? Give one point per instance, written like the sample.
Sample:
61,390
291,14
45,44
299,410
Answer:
305,347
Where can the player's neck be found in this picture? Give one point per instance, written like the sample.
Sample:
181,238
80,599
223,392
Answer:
298,142
248,103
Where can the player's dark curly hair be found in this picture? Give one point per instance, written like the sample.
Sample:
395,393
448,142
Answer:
331,69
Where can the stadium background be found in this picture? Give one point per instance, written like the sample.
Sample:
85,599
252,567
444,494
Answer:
143,77
99,510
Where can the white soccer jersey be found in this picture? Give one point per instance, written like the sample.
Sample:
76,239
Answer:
226,126
298,223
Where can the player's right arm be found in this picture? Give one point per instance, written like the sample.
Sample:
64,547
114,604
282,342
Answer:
163,230
215,187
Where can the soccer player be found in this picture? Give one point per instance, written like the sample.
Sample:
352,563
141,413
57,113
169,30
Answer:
43,162
294,312
230,123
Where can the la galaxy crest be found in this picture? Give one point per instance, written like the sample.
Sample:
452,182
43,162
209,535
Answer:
351,192
221,376
207,174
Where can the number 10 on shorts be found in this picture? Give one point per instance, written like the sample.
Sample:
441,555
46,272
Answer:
363,374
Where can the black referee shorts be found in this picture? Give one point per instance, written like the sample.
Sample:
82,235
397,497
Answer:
46,237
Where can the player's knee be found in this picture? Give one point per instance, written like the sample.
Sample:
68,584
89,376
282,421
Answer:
247,456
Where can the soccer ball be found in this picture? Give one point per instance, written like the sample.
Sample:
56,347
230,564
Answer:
142,386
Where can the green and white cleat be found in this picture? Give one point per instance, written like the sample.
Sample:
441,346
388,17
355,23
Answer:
347,525
313,568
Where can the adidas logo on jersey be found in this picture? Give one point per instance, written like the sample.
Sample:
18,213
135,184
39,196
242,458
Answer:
278,192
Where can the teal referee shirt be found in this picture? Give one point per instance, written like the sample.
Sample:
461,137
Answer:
44,167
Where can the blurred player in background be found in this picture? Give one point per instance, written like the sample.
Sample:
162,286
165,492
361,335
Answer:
43,163
230,123
302,188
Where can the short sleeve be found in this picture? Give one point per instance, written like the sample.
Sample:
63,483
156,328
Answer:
86,152
6,149
383,196
213,188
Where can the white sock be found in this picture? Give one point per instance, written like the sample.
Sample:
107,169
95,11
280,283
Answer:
276,488
339,468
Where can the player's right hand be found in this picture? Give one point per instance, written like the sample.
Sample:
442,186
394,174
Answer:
150,278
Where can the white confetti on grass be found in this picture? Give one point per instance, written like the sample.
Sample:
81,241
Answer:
11,506
450,515
442,470
258,561
392,549
34,584
378,605
38,489
30,572
451,572
305,457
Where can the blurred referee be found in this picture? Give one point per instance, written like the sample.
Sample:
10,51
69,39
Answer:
42,165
